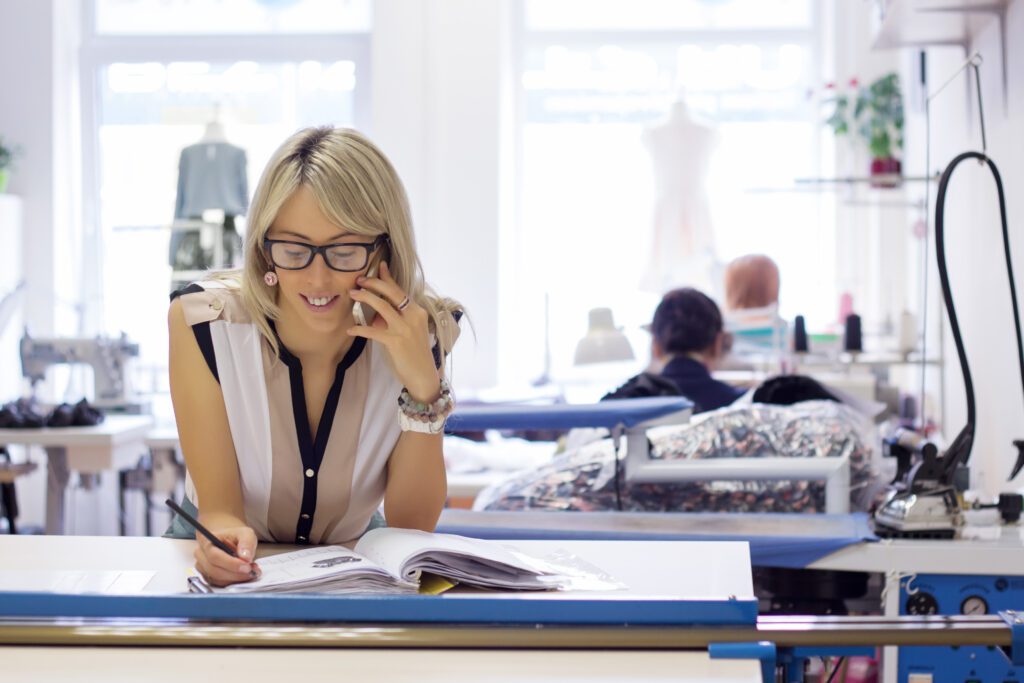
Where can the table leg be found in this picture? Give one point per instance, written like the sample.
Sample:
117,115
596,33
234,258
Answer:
9,506
122,512
890,608
57,476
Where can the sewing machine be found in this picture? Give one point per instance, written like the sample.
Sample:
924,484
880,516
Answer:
108,358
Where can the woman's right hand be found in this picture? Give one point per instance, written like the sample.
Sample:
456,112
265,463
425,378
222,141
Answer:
220,568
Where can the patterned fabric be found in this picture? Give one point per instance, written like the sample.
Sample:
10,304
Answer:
590,478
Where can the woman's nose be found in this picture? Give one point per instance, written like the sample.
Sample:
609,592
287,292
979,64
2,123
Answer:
318,271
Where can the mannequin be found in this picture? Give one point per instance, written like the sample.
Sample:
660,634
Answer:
212,174
214,133
682,241
751,282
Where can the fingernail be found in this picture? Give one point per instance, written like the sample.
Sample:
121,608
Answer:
361,279
244,553
254,575
245,569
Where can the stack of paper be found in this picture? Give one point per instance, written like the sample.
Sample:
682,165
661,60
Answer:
321,569
467,561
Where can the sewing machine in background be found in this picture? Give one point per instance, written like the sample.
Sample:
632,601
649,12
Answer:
109,358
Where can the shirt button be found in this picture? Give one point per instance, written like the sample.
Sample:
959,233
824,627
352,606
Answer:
305,516
217,304
310,473
302,538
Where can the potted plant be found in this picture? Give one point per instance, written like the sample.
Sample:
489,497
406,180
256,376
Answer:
7,155
876,113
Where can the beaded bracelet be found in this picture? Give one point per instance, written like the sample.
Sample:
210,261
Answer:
425,418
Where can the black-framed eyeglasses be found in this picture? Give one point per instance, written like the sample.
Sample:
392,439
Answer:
345,257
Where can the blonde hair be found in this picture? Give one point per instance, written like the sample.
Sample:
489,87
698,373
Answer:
357,189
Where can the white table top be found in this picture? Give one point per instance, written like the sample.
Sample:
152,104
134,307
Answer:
984,551
115,429
696,570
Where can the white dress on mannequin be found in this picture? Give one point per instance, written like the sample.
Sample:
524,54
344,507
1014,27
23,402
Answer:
682,247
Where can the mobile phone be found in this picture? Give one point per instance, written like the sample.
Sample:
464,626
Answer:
357,308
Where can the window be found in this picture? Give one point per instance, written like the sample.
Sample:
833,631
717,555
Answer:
246,63
230,17
594,75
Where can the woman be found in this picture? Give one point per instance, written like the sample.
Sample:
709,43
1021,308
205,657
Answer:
295,416
687,344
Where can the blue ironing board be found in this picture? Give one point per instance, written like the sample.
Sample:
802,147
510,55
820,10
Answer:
776,539
625,413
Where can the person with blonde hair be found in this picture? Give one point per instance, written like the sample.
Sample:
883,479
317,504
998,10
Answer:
309,385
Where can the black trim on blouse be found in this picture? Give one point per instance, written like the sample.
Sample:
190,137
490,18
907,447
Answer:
312,449
201,331
435,350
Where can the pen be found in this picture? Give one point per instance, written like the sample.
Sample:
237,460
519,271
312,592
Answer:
197,586
226,547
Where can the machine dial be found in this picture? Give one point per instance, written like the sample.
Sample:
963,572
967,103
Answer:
922,603
974,604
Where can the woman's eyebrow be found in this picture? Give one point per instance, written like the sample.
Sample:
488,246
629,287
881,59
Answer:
339,236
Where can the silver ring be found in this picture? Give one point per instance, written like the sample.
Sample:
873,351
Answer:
401,306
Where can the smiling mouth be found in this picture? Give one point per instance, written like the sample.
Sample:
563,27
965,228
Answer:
319,301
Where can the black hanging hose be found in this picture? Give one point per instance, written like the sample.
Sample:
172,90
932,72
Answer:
959,451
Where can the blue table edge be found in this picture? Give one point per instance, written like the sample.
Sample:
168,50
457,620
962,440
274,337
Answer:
418,609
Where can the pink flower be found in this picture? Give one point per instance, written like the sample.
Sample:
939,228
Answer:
854,82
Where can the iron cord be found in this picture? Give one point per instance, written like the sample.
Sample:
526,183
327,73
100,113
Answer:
960,450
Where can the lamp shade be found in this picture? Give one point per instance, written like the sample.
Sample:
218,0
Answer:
603,342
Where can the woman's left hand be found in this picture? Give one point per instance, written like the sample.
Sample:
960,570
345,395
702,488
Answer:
401,326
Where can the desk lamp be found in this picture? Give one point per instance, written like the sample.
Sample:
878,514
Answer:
603,342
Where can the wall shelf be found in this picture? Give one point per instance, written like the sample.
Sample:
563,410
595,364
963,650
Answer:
882,181
905,23
920,23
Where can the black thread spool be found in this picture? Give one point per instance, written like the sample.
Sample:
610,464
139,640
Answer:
800,344
853,341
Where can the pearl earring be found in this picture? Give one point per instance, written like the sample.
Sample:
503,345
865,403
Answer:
270,278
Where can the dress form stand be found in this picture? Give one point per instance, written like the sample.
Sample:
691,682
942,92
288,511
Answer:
682,248
212,193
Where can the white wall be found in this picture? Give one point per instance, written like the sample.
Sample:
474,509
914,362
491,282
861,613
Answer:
38,77
974,243
26,118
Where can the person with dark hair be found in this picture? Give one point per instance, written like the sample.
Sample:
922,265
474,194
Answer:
688,342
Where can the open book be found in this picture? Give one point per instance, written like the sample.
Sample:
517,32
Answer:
392,560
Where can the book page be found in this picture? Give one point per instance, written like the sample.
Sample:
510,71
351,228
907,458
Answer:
398,550
325,567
